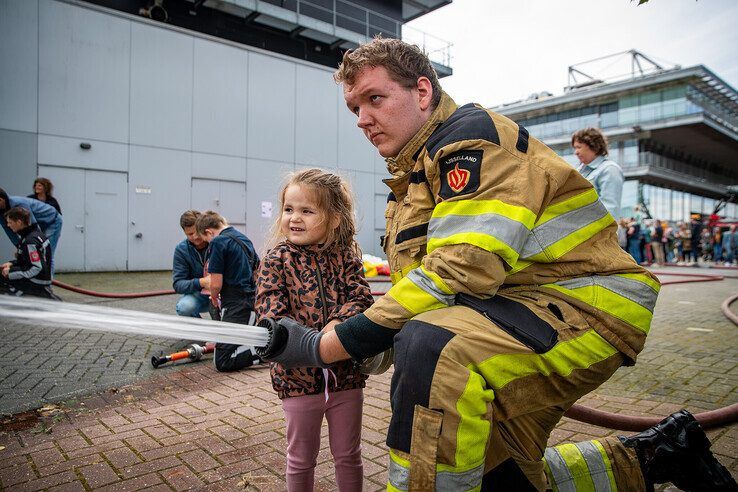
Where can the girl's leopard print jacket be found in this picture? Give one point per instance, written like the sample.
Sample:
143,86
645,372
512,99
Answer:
289,283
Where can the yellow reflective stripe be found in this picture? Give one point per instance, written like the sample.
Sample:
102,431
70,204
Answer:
519,266
484,241
567,205
447,477
608,465
577,465
398,473
568,243
397,276
563,359
473,430
611,303
438,281
643,278
414,299
480,207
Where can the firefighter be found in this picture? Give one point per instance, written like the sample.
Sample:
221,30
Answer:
511,299
30,273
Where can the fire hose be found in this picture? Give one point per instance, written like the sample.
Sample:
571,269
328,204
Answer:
111,295
714,418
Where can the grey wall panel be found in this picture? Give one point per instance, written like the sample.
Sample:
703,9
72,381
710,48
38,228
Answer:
17,172
263,184
161,87
362,187
220,109
316,138
380,165
158,193
69,190
65,151
354,150
271,103
218,167
84,59
19,64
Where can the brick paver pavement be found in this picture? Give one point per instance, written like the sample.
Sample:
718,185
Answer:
194,428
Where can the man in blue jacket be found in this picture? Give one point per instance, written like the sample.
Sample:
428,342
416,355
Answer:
42,214
188,278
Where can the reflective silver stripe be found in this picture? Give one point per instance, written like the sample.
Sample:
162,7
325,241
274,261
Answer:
424,282
558,228
633,290
453,481
509,231
596,466
398,475
40,282
559,471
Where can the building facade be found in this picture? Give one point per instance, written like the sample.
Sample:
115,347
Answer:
207,105
674,132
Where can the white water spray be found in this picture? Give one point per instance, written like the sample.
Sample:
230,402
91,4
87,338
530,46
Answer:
53,314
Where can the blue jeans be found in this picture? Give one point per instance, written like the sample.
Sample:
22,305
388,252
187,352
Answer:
634,248
52,233
192,305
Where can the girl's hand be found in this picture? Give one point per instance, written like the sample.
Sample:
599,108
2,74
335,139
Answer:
330,326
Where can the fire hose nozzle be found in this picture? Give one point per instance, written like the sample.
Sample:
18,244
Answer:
193,352
277,339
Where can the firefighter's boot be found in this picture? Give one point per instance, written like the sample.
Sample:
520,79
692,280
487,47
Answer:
677,450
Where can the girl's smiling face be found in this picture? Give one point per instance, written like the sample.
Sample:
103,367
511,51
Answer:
302,221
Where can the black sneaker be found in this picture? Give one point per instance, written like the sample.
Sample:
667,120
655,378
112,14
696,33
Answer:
677,450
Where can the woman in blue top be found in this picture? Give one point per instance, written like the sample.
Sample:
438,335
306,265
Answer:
46,216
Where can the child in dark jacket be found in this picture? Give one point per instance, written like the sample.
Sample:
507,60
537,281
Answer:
314,275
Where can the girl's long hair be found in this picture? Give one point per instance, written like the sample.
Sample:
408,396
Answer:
333,199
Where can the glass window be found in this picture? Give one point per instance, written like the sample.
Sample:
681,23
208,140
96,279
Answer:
630,154
609,119
628,112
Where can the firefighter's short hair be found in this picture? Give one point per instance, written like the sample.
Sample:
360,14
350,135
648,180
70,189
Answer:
593,138
209,220
19,213
404,62
189,218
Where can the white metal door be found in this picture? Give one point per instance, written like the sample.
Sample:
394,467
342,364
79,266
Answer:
69,190
106,210
228,198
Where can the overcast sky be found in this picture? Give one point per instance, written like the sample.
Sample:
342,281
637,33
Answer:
504,50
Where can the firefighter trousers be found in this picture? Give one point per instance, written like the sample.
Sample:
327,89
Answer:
473,407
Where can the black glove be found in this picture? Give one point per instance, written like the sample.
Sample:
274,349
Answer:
293,345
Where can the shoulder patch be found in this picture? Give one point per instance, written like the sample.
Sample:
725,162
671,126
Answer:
35,257
466,123
460,173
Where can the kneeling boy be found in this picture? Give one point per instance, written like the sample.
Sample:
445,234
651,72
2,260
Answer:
30,273
231,263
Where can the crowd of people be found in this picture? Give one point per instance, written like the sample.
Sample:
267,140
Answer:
656,242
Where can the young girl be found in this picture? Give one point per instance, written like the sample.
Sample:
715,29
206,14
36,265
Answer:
314,275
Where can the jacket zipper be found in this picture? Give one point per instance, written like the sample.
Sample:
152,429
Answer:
325,311
322,295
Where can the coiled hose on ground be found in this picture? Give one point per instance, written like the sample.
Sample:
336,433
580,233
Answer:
713,418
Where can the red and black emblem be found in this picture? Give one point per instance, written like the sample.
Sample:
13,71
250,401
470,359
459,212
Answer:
35,256
460,173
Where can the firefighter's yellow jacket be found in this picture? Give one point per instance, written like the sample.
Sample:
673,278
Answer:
478,206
